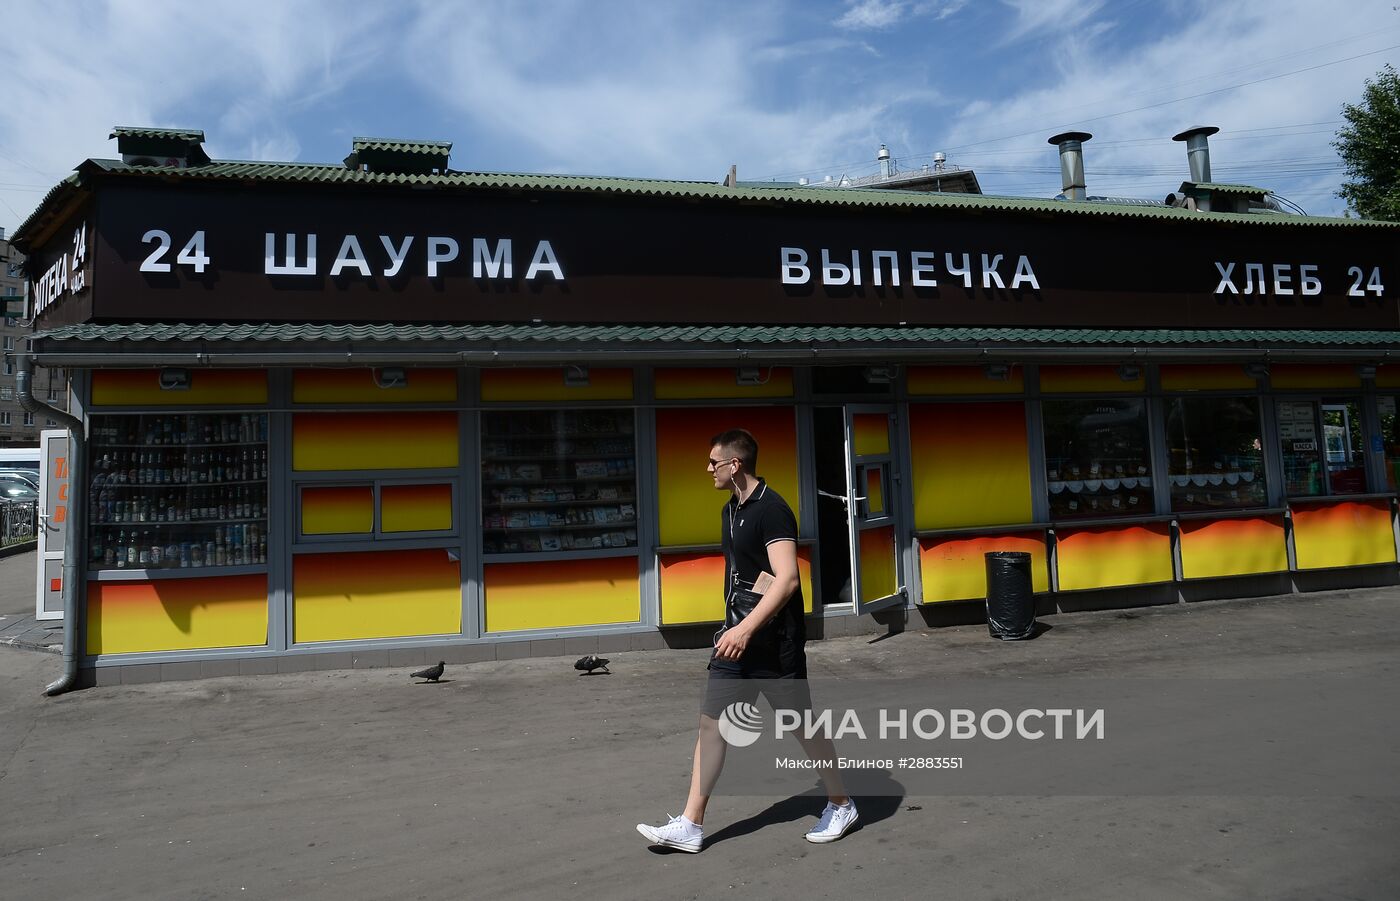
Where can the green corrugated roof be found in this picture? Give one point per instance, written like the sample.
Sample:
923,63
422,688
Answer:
770,335
430,148
1222,188
193,135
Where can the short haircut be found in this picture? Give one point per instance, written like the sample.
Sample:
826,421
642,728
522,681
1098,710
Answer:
741,444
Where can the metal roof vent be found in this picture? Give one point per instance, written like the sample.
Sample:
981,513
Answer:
1198,150
1071,144
174,148
398,156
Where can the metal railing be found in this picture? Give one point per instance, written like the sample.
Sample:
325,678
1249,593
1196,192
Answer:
17,522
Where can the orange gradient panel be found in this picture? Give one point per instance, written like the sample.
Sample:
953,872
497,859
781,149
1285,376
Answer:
1352,533
415,508
692,587
689,504
337,510
1313,375
1232,547
141,387
971,464
176,614
1388,377
878,575
874,491
358,386
558,593
1177,377
955,569
950,380
1086,379
548,384
697,383
1114,556
375,594
871,433
324,442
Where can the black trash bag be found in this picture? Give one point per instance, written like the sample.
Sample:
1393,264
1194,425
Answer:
1010,599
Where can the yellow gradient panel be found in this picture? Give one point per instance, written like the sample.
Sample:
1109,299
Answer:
955,569
877,564
696,383
874,491
871,433
1087,379
1219,376
176,614
690,505
1313,375
1353,533
692,587
375,594
1114,556
971,464
415,508
141,387
323,442
557,593
950,380
1232,547
548,384
357,386
337,510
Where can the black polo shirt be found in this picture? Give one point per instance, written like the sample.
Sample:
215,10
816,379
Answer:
748,529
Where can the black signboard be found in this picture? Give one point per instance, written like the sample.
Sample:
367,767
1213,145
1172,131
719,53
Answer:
268,253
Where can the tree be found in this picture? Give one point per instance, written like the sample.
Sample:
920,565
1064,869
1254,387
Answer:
1369,145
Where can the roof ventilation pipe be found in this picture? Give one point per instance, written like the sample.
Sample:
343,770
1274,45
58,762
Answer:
884,157
1198,151
1071,144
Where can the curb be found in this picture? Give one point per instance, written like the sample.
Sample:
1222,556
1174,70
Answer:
20,644
19,548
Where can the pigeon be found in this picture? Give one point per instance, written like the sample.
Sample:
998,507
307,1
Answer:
432,673
591,662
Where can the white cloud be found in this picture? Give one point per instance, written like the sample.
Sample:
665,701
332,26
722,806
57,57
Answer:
876,15
871,14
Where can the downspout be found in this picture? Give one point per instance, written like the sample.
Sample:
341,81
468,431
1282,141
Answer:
77,518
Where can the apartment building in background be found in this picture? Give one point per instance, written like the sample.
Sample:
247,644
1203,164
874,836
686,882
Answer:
18,427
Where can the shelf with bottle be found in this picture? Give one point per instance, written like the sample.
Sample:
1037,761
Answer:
179,503
178,429
178,491
146,546
505,542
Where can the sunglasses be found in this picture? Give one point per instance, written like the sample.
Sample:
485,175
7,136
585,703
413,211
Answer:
716,464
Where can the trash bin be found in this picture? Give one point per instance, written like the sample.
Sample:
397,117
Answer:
1010,599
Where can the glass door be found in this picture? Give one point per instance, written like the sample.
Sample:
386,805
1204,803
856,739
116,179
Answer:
877,575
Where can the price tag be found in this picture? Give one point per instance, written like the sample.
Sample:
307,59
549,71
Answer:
1305,445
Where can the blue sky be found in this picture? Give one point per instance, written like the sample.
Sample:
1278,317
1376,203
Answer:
683,90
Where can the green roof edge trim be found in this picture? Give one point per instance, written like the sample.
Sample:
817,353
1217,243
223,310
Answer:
701,334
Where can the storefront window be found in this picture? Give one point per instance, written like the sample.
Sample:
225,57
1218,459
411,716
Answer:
1322,438
1096,458
558,480
186,491
1390,435
1215,453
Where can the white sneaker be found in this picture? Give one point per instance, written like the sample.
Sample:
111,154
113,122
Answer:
678,833
834,823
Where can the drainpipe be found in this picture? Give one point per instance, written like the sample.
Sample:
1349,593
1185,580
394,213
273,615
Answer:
77,499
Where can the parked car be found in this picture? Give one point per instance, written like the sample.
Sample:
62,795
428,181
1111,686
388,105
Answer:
16,490
28,476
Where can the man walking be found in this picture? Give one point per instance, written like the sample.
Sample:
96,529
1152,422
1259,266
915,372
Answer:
761,647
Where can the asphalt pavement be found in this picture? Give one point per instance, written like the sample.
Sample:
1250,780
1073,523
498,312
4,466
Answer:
525,779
